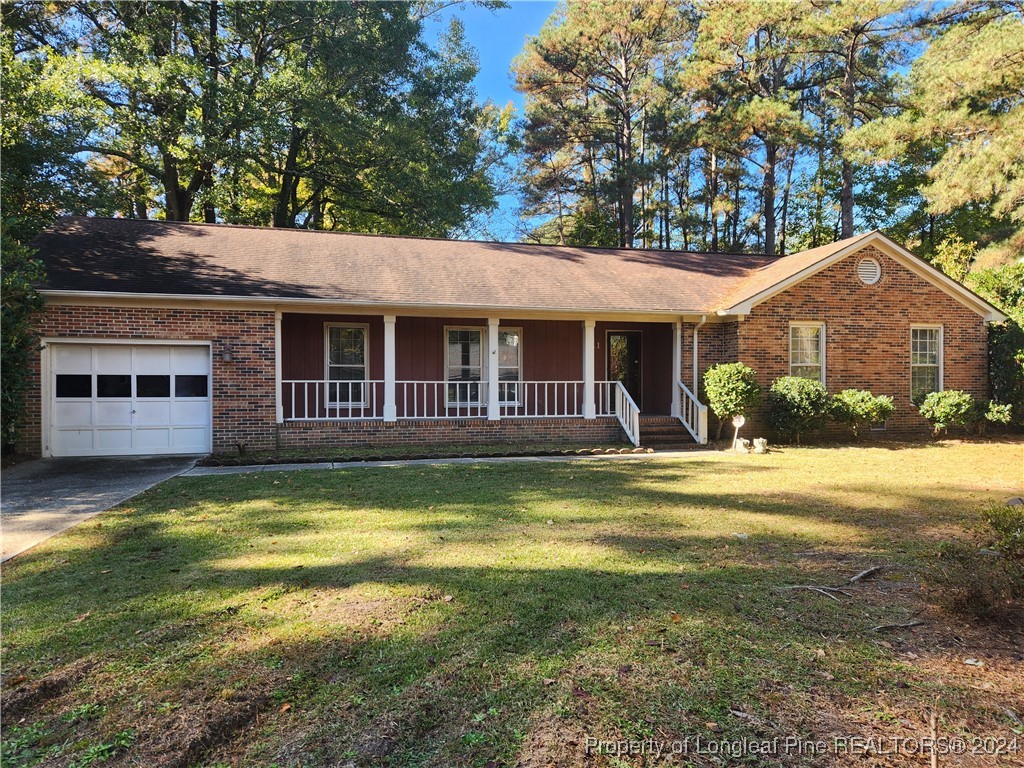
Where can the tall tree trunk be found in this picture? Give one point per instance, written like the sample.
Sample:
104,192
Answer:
849,91
283,209
713,199
771,154
627,185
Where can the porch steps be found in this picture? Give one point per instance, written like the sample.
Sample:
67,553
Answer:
665,433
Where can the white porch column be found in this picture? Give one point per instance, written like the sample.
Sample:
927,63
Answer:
390,407
589,406
677,366
493,408
278,405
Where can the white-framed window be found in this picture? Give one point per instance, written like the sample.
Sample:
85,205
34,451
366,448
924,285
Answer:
345,353
463,364
510,365
925,361
807,350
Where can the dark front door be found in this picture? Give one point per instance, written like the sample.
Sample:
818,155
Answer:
624,361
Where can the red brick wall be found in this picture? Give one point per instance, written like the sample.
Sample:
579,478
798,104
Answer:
867,334
449,432
243,389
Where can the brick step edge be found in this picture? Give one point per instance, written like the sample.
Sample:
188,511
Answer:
348,458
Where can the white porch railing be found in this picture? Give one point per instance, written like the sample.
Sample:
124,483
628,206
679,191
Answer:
441,399
627,413
533,399
692,413
320,400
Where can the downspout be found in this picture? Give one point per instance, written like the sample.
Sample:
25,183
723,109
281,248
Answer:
696,328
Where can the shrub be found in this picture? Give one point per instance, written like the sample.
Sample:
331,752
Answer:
971,582
951,408
731,389
1004,287
858,408
19,273
1006,527
954,408
984,583
994,413
796,406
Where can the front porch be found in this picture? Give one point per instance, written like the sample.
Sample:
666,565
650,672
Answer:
349,378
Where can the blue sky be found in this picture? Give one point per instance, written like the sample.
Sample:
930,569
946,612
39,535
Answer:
498,37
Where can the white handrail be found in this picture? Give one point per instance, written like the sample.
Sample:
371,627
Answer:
693,414
627,413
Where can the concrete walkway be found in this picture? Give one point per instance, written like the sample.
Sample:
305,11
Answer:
41,498
207,471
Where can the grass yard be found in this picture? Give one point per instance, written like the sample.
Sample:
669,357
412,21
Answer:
504,614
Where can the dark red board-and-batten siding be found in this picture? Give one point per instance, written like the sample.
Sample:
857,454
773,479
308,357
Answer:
552,349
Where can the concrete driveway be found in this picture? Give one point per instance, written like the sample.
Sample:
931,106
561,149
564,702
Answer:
41,498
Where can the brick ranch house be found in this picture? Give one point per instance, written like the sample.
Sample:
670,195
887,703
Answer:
163,337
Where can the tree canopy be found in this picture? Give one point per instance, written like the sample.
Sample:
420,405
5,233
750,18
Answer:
313,114
739,125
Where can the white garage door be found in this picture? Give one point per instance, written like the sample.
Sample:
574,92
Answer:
117,399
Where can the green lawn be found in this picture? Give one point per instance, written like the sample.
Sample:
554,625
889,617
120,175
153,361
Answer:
502,614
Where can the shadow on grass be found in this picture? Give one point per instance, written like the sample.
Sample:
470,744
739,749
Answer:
452,649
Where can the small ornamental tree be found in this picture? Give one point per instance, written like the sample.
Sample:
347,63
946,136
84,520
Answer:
950,408
18,340
796,406
858,408
731,390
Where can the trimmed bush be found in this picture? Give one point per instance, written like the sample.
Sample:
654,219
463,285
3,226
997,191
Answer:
951,408
858,408
796,406
995,413
731,390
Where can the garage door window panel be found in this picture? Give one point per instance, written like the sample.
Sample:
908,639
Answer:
113,385
74,385
191,385
152,386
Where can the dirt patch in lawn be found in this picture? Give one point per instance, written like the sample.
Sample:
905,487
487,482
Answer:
28,695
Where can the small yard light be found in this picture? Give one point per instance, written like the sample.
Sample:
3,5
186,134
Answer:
227,353
737,422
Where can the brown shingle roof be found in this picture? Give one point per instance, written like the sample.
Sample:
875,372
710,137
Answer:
128,256
170,258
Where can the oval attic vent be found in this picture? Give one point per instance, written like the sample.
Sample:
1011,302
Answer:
869,271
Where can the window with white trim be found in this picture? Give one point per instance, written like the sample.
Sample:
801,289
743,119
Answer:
510,364
346,364
925,361
464,365
807,350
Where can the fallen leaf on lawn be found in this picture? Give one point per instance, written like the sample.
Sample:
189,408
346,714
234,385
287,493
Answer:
820,653
448,598
714,727
285,707
548,681
81,617
974,662
676,617
108,570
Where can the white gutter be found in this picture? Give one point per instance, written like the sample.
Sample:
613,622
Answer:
300,301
